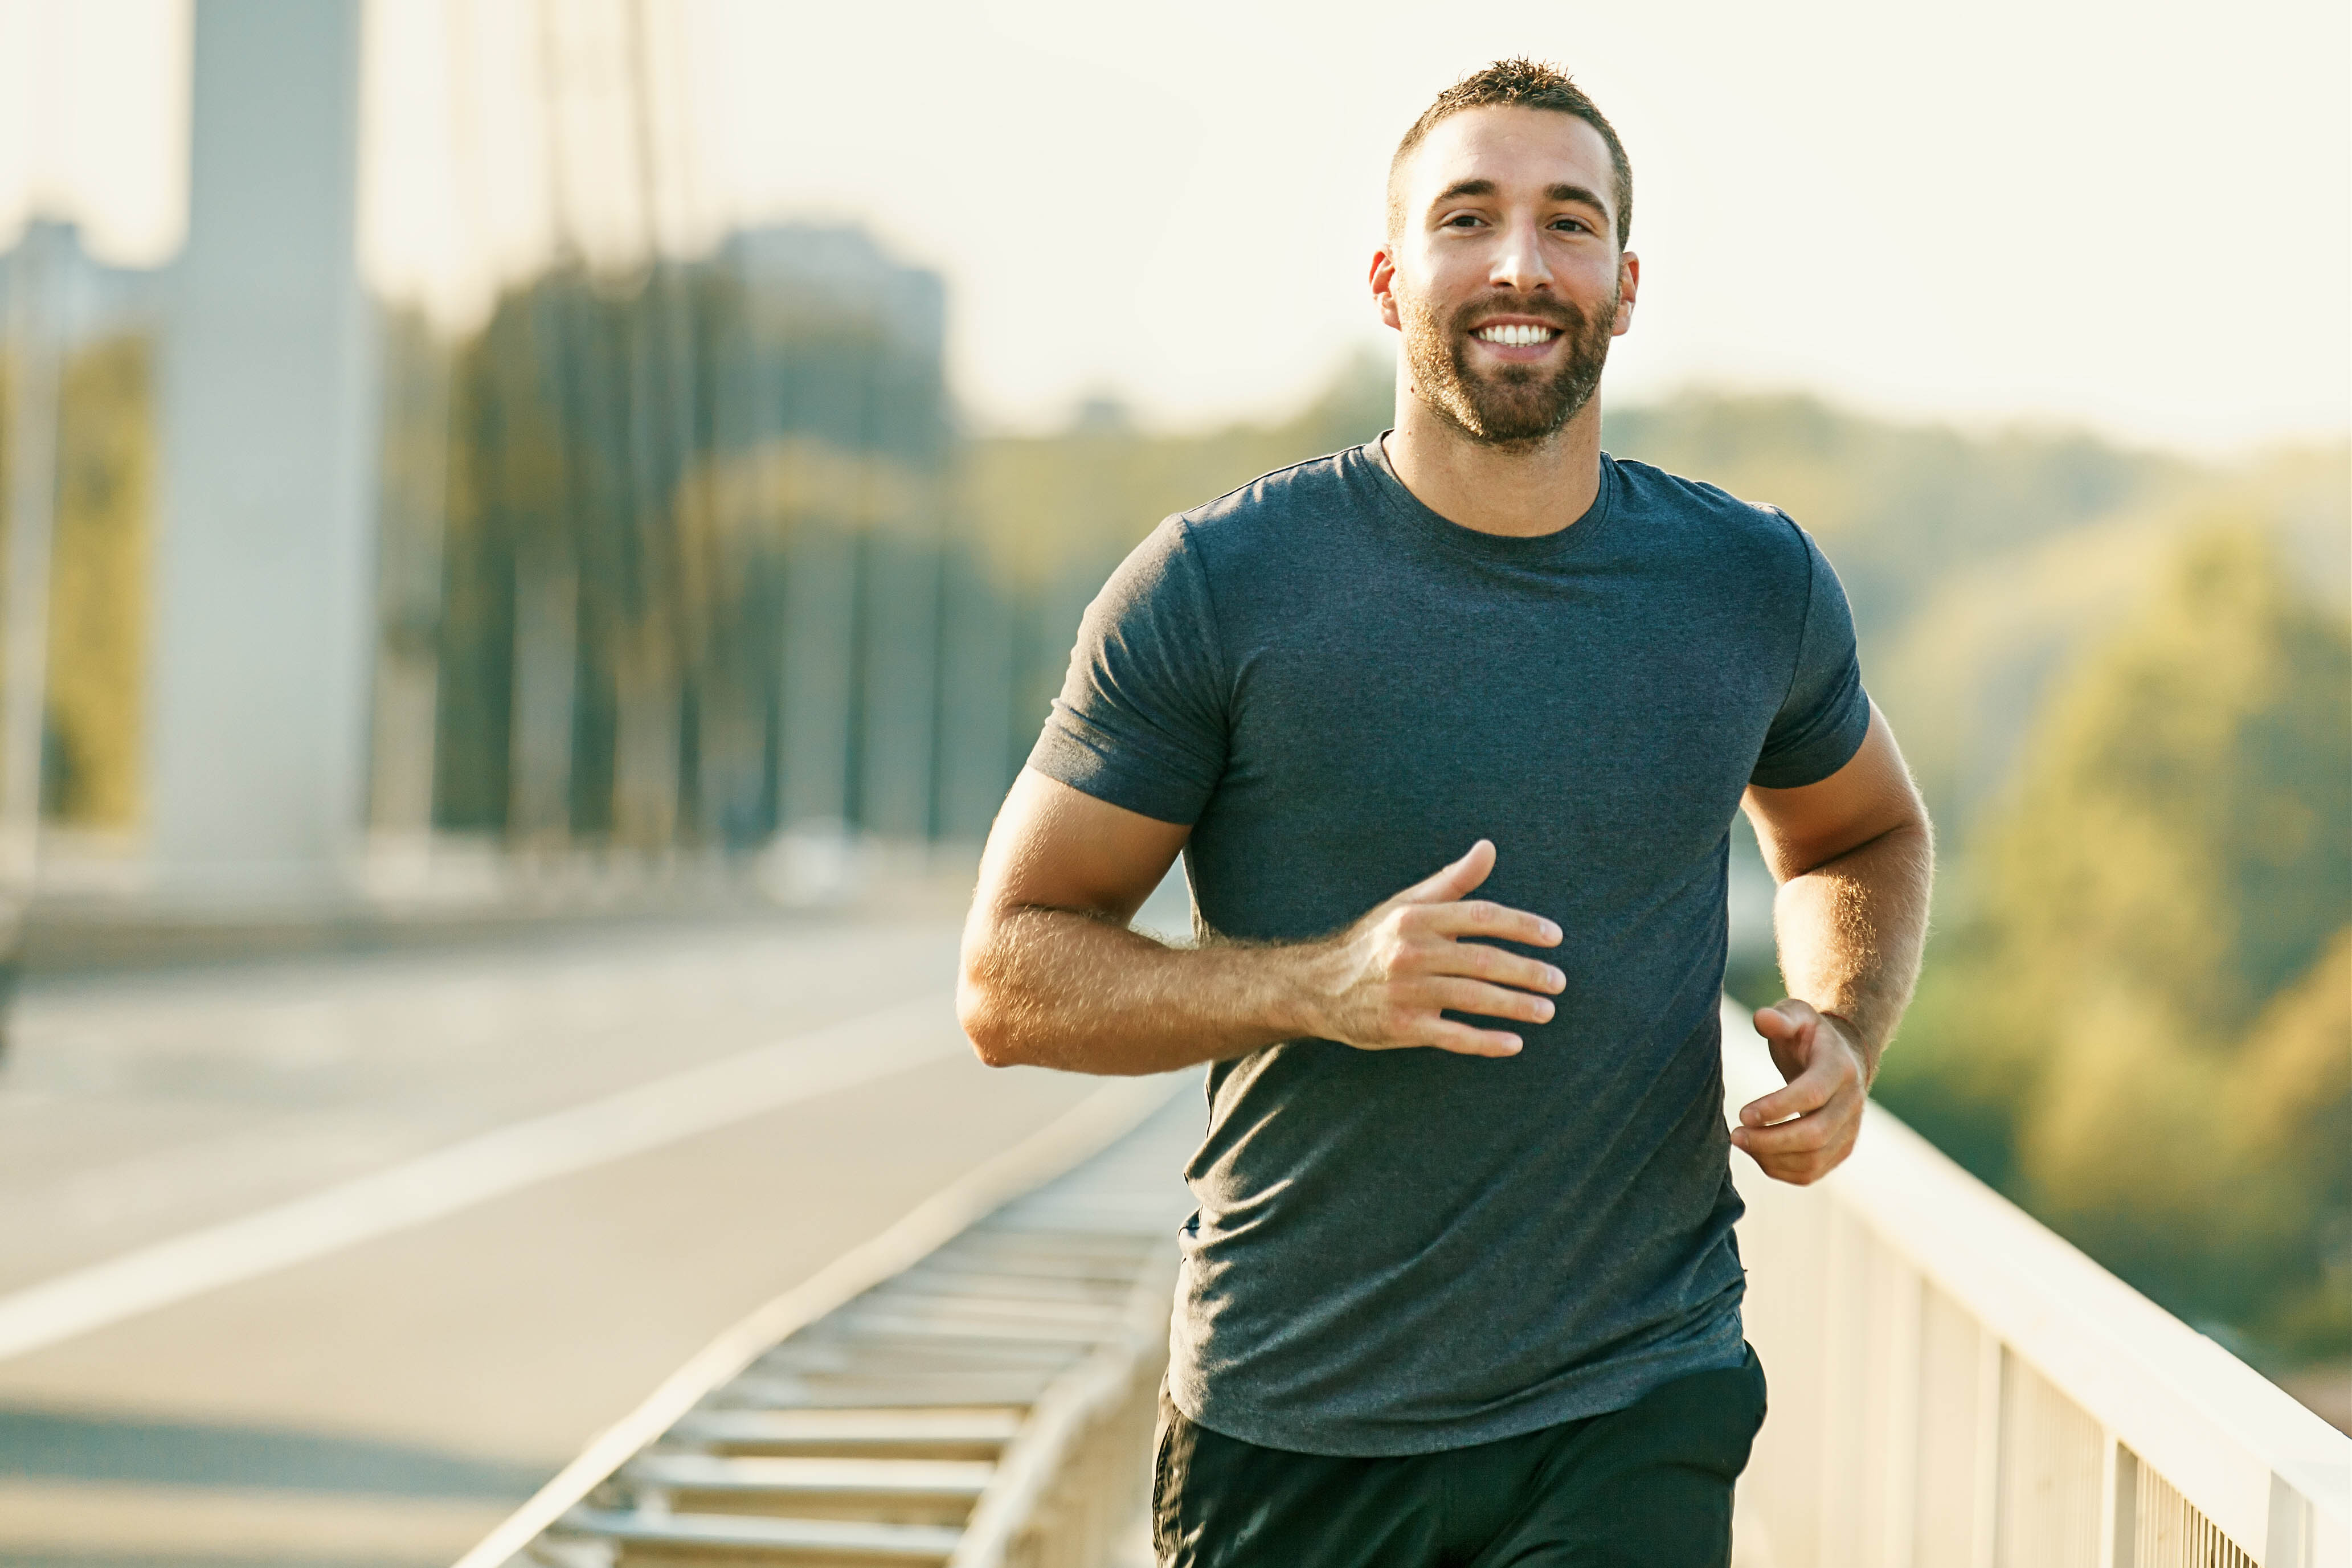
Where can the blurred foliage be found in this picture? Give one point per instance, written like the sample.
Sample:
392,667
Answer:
1962,676
1054,514
91,765
2137,1020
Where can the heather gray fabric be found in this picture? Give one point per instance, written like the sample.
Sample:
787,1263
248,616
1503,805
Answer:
1398,1252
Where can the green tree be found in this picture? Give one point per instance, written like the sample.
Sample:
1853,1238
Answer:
2131,1029
98,576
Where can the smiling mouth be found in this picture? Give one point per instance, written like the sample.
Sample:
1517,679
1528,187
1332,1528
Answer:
1516,334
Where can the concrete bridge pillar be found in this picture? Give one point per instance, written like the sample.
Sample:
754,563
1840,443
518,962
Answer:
257,734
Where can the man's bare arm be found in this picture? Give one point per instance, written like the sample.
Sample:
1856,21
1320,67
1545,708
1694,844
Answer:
1052,976
1854,856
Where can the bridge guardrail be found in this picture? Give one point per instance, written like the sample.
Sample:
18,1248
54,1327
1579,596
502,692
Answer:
1953,1386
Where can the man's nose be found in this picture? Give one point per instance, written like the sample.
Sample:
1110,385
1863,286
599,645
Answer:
1520,264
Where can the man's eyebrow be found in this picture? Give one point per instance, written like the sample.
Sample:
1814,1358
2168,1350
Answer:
1559,192
1465,188
1577,193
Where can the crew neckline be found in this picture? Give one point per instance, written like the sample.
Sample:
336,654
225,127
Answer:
1398,499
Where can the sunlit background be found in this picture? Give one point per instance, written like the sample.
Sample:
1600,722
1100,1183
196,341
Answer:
518,501
2064,213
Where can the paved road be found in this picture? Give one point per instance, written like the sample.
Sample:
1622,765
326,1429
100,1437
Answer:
380,1400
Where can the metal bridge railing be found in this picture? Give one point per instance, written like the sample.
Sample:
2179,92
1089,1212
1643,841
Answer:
1954,1386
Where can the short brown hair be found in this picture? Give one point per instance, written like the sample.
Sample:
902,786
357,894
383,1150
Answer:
1518,83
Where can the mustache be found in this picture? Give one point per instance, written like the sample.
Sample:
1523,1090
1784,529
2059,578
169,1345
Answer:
1542,307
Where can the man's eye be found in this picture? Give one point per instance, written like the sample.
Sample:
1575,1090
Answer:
1577,224
1461,220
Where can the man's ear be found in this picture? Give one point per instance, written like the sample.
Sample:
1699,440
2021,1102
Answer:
1628,283
1383,281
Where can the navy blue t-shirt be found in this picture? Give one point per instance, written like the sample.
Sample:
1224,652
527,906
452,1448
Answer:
1402,1252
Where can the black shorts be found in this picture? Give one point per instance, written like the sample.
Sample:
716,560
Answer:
1645,1486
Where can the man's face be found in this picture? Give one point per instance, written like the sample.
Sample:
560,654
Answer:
1504,273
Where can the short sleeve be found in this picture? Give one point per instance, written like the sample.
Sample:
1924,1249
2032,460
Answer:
1140,722
1826,713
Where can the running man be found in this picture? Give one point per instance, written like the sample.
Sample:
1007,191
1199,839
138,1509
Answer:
1451,729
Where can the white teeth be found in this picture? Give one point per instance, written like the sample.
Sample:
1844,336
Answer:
1515,335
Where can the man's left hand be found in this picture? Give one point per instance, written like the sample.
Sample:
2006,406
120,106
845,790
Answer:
1800,1133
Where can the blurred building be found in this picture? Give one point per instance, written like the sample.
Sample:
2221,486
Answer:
700,582
661,564
87,301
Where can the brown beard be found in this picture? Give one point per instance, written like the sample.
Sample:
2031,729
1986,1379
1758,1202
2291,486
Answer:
1514,405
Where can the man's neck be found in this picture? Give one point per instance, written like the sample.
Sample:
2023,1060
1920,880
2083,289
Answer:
1524,491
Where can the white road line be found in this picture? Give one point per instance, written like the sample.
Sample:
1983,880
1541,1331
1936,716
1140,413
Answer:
629,1123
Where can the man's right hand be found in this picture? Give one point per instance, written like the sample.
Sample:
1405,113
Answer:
1052,976
1386,982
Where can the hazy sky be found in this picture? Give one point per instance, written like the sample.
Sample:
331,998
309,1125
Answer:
2137,215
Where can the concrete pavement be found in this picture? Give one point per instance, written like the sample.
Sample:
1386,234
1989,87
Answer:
385,1400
